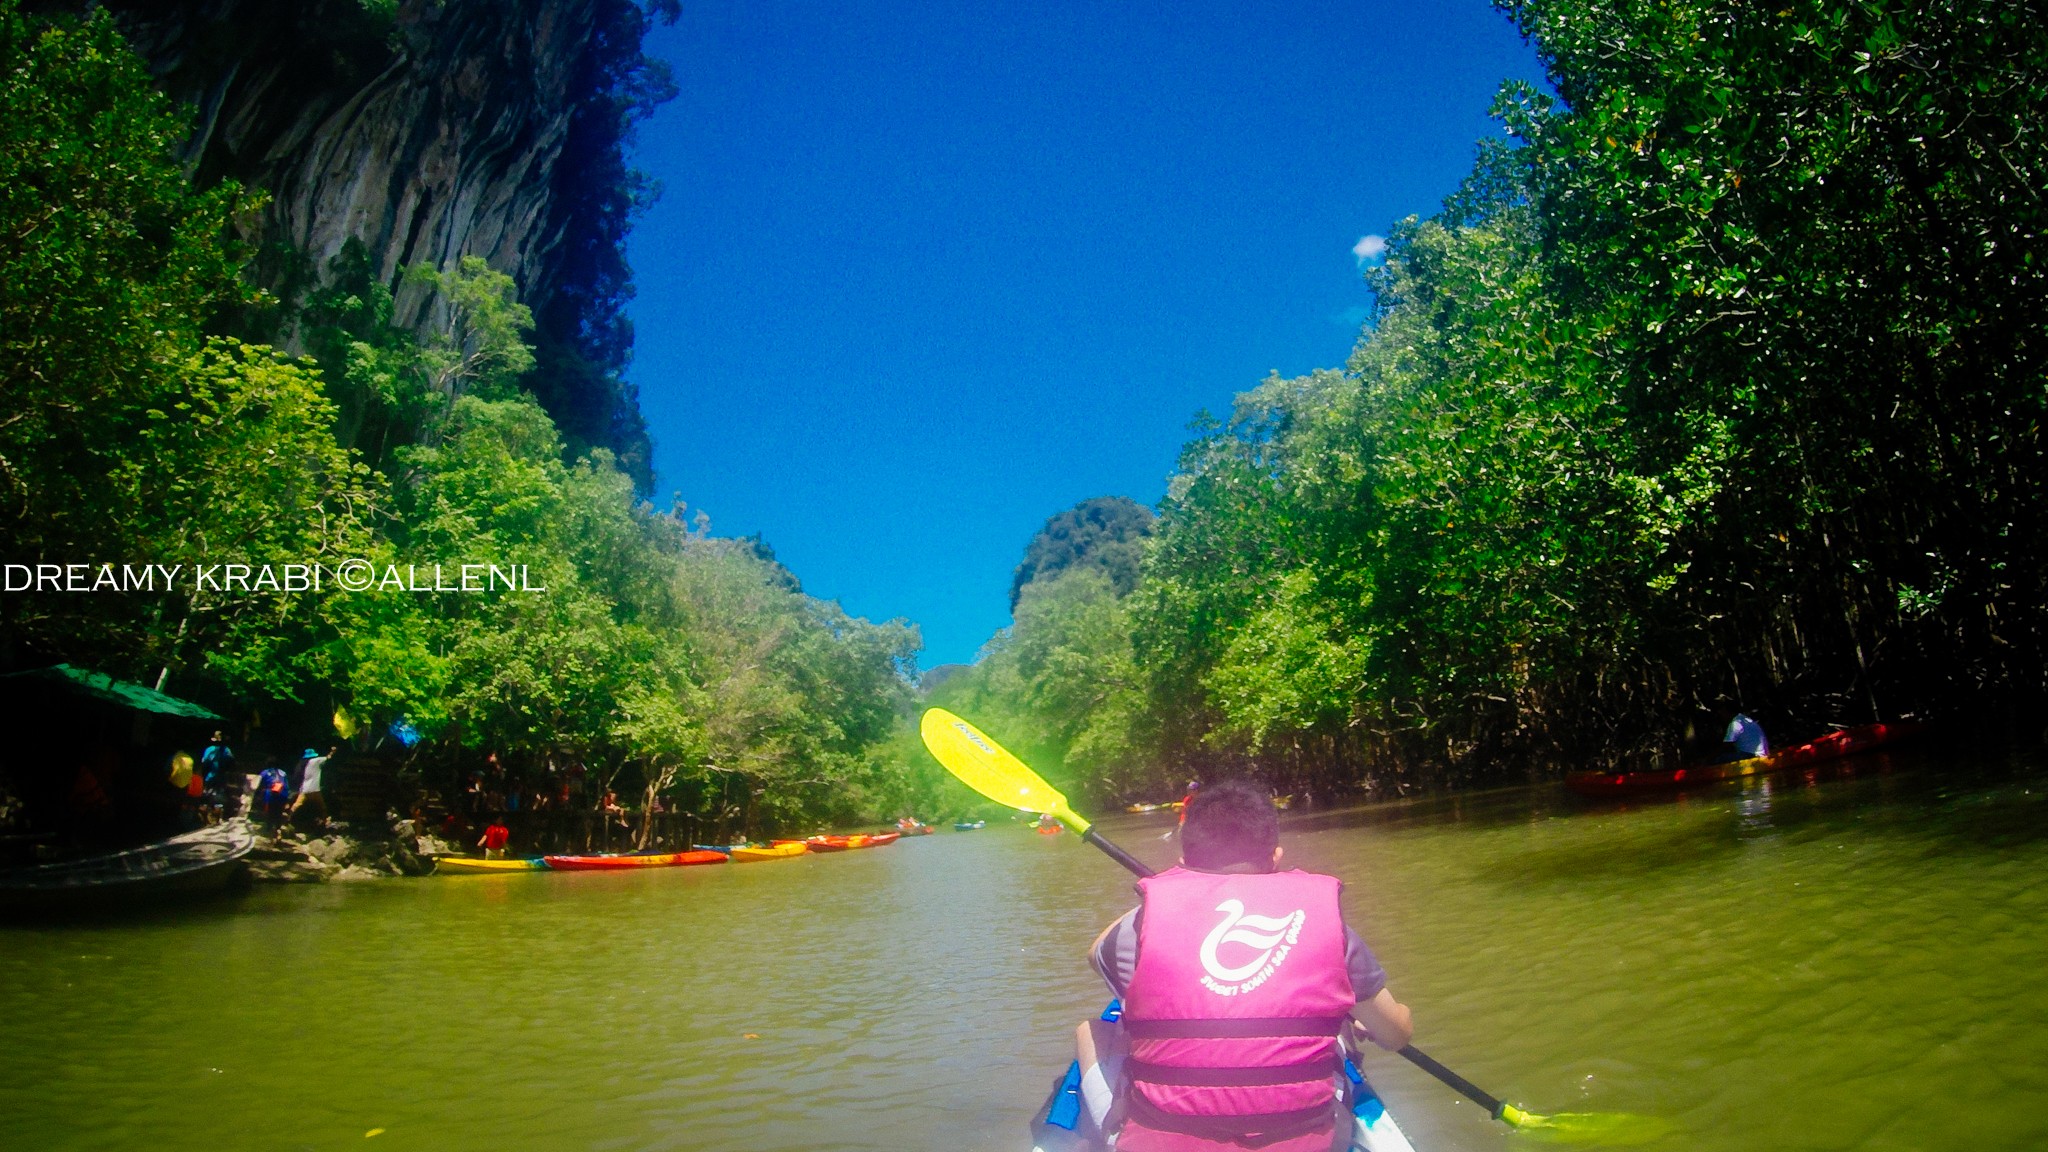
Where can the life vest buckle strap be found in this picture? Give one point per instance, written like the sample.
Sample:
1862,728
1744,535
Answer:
1307,1071
1265,1126
1239,1029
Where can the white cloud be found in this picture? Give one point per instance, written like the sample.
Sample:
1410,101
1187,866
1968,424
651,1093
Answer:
1369,248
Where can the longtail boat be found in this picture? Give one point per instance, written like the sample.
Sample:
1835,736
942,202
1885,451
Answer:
206,860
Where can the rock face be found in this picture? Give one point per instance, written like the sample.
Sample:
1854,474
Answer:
432,130
356,851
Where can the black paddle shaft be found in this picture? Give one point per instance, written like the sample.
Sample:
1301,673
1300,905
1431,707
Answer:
1115,853
1415,1055
1421,1060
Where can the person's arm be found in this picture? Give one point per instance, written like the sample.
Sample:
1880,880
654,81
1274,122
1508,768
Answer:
1386,1021
1114,954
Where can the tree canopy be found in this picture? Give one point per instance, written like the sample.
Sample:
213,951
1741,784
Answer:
635,647
1716,385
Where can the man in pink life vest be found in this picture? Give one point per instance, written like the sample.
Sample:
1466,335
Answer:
1237,979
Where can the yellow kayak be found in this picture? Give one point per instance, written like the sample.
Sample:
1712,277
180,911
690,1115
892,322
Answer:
779,851
468,864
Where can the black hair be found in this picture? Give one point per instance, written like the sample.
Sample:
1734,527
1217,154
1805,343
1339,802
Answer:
1227,823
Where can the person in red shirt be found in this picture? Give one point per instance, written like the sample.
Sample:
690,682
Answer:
494,840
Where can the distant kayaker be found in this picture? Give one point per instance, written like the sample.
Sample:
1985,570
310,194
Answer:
1236,979
1748,737
1743,739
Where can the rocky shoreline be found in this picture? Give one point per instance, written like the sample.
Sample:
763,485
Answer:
348,850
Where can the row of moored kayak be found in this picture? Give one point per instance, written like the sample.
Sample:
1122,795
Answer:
701,854
1833,746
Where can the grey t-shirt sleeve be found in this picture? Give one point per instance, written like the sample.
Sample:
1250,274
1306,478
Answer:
1115,957
1367,977
1115,954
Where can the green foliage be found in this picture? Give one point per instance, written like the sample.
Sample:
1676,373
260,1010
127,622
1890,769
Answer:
483,348
797,696
1061,685
126,434
690,668
109,262
1719,386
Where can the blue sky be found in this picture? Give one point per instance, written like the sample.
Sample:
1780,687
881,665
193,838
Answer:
922,276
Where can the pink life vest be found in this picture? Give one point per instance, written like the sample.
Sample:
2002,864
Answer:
1240,990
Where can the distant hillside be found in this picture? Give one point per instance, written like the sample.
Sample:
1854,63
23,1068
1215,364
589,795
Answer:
1106,533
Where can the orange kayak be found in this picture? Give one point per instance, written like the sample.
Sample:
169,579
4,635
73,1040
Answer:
848,843
654,860
780,850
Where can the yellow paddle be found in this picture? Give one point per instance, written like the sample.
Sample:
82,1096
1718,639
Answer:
988,768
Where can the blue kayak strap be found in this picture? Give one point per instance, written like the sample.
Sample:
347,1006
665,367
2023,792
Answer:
1065,1111
1241,1029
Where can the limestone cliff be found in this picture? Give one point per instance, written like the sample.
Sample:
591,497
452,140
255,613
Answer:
431,130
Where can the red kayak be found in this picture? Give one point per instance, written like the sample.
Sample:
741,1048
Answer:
1833,746
849,843
653,860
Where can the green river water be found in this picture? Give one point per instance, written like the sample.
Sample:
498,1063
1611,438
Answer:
1853,965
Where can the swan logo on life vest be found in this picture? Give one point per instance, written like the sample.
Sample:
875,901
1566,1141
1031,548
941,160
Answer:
1272,936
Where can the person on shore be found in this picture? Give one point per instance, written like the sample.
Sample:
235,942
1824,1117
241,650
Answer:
310,785
190,786
216,764
1238,979
217,760
494,840
273,792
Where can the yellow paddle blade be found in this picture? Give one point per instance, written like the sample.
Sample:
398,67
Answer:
985,766
1607,1129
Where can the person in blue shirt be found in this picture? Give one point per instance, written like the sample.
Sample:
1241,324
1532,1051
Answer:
273,791
1748,737
217,760
1743,739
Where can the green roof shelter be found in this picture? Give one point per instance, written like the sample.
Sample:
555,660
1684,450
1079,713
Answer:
104,688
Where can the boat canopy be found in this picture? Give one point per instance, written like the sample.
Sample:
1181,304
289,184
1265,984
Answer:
100,686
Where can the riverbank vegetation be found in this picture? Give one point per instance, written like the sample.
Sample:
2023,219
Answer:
1718,384
672,667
